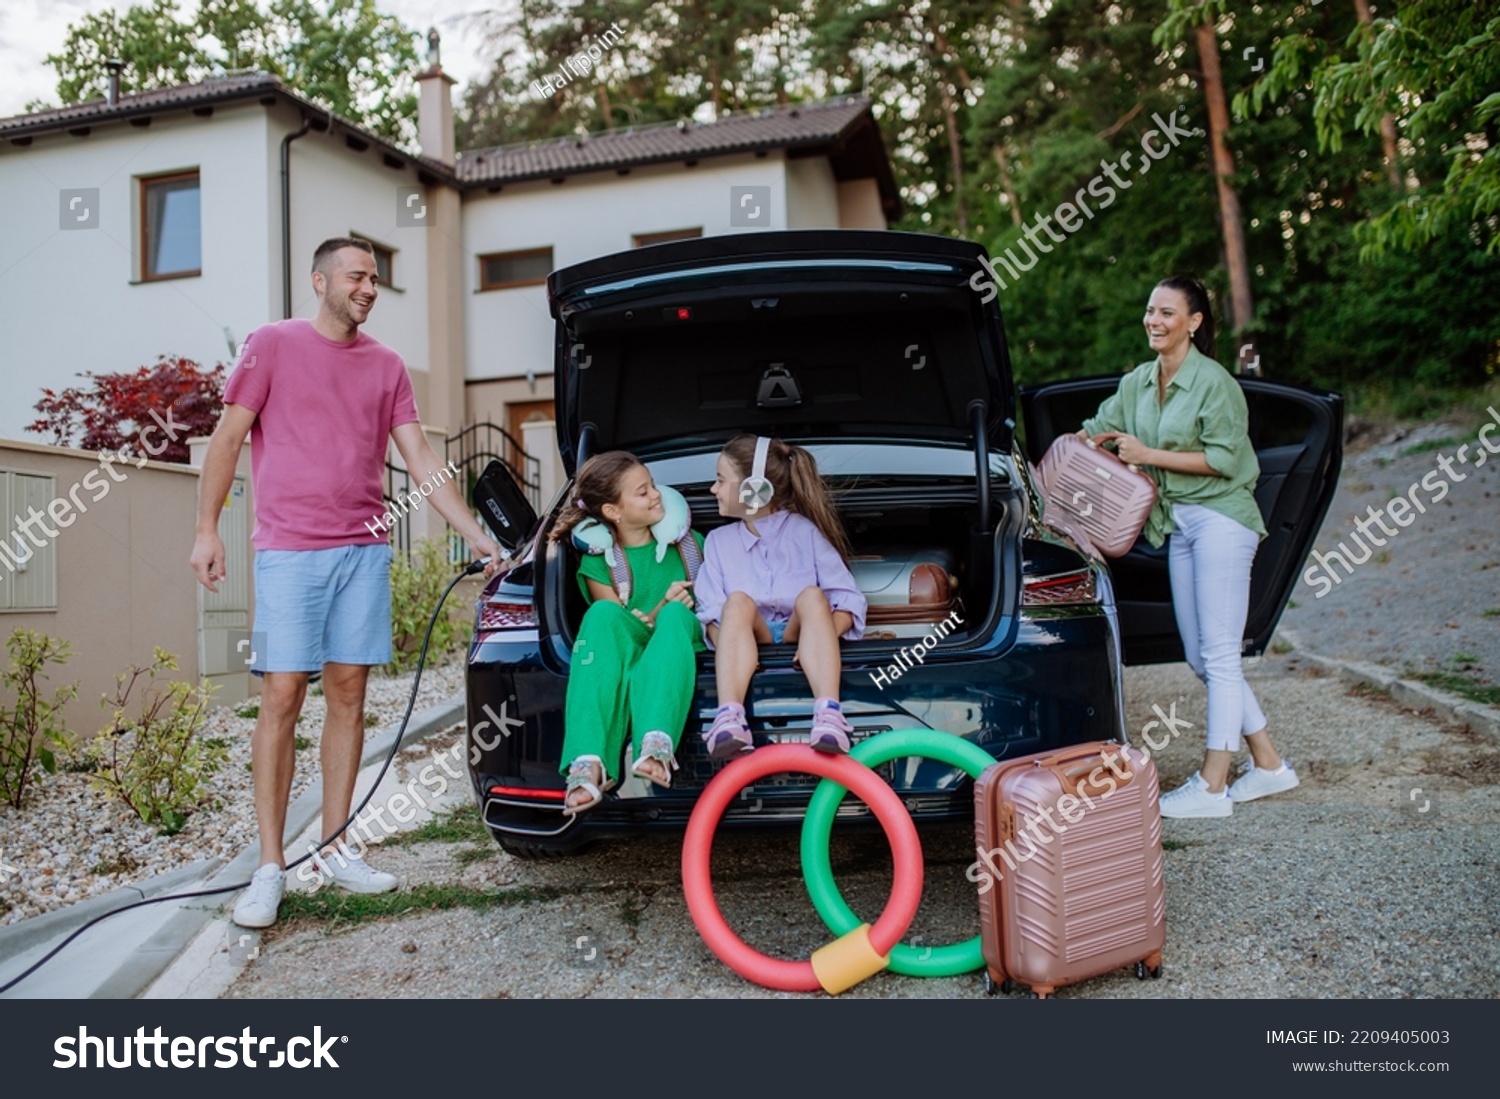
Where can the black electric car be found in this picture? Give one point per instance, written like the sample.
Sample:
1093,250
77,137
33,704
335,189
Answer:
871,349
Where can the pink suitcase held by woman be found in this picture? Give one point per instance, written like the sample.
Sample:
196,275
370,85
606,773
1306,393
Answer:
1061,903
1094,490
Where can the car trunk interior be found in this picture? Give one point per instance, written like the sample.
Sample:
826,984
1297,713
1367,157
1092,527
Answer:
892,531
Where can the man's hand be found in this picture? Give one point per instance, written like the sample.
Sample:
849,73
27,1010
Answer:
208,559
485,547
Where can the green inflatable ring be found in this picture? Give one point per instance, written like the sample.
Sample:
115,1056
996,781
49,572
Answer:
817,828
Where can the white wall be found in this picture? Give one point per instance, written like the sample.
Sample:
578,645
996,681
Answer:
67,303
812,200
587,216
337,192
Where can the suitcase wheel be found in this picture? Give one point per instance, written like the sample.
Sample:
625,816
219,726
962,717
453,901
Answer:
1142,971
990,987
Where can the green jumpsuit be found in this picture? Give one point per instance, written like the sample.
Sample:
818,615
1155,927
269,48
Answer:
625,675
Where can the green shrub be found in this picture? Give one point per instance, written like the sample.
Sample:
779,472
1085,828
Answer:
416,586
155,762
33,729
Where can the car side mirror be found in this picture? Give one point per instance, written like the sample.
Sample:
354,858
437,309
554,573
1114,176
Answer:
503,506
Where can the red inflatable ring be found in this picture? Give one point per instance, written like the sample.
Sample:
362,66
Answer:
697,845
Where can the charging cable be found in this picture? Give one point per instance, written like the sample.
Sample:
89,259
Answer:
473,568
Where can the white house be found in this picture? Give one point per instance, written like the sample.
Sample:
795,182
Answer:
176,221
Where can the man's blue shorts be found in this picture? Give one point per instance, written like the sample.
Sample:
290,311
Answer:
313,607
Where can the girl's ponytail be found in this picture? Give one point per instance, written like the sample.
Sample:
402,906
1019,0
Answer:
809,497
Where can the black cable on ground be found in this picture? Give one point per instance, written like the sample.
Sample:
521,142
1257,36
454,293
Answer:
474,567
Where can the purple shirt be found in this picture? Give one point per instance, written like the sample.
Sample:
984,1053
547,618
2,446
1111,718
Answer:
789,554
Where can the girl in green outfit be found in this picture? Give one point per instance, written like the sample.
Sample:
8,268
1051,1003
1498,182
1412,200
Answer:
634,661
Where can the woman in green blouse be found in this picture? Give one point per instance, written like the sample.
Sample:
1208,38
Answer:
1183,417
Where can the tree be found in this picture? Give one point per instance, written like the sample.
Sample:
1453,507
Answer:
1433,66
113,413
341,53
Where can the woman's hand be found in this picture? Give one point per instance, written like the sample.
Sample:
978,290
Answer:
1130,449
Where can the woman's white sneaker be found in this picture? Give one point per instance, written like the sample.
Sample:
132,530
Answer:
259,903
1192,799
1257,783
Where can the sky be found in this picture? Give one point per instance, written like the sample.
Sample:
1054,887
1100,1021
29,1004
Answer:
31,29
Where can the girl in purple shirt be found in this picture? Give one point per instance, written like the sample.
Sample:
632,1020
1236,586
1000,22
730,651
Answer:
778,575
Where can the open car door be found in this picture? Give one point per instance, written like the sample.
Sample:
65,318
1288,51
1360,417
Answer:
1298,434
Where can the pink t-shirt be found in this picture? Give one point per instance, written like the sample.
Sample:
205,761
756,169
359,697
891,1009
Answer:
318,445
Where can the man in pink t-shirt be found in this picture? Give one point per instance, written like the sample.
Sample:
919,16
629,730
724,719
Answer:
319,400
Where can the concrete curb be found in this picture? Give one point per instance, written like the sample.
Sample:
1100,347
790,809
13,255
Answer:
150,960
21,937
1408,692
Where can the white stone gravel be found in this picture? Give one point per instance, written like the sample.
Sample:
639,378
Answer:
70,841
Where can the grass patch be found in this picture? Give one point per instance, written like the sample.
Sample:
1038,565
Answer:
1174,845
458,825
250,709
1493,612
300,742
340,909
122,863
1471,687
1280,647
1465,658
371,721
1430,444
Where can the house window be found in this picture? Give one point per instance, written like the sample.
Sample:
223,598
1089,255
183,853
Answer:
385,260
28,552
640,240
500,270
171,228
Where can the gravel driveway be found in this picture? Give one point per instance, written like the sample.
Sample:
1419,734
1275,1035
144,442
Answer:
1376,878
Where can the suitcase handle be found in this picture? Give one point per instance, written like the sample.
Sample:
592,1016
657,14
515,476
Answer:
1069,777
1094,442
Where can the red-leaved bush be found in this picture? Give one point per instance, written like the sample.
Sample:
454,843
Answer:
112,413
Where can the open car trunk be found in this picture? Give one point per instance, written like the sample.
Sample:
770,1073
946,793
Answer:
902,538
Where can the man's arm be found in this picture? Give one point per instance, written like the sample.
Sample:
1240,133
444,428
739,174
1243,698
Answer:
213,485
422,463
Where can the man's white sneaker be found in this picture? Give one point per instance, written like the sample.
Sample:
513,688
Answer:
258,904
1258,783
1192,799
343,867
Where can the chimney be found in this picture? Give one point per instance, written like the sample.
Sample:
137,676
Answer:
115,67
435,106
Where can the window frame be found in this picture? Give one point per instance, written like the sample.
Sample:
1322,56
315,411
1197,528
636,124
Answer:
146,183
379,246
515,253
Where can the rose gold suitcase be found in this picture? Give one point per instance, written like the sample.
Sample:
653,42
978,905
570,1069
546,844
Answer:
1058,905
1096,491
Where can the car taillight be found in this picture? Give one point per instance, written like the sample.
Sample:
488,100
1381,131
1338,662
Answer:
528,792
507,616
1062,587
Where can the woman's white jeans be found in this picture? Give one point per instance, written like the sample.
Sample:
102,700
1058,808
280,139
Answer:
1210,556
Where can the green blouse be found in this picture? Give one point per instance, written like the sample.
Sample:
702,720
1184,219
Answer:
1204,411
649,580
